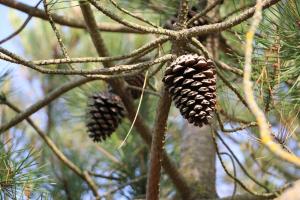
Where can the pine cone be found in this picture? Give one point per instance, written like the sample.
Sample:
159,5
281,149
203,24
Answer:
191,81
192,12
104,113
138,81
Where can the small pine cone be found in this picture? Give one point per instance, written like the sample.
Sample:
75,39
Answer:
104,113
138,81
191,81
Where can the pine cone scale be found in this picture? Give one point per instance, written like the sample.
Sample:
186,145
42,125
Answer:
104,113
191,81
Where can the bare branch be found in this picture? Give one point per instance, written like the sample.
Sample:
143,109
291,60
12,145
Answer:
137,52
116,70
131,14
57,33
46,100
217,27
263,195
158,139
241,165
134,26
64,20
21,27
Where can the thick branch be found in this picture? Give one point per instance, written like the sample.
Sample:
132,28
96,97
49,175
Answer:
140,125
217,27
158,139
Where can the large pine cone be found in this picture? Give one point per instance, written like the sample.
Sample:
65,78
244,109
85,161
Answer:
138,81
104,113
191,81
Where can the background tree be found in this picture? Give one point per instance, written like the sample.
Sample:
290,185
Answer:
64,52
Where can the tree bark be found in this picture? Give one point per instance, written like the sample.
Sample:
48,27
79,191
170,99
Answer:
197,147
198,160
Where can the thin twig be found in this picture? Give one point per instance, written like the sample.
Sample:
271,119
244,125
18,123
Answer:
136,180
236,92
118,69
245,126
206,10
101,7
240,164
21,27
103,176
265,195
108,155
238,10
226,67
57,33
132,15
145,90
46,100
234,173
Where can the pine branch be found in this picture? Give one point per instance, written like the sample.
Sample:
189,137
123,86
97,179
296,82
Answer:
129,24
54,28
218,27
263,125
142,128
43,102
116,70
132,14
158,139
64,20
82,174
137,52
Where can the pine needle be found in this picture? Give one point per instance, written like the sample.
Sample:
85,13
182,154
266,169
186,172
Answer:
137,111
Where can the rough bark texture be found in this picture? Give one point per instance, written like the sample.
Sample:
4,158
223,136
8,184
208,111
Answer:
198,160
158,140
